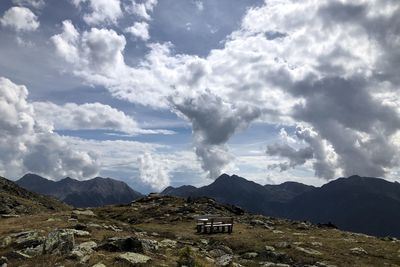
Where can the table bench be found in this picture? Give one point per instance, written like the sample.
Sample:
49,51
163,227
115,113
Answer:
214,224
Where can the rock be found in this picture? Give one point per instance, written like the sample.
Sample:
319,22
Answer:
3,261
358,251
256,222
224,260
303,226
215,253
309,251
120,244
59,242
8,216
250,255
99,264
26,239
133,259
272,264
316,244
277,232
83,251
282,244
18,255
83,212
323,264
6,242
33,251
78,233
95,225
168,243
149,245
269,248
112,228
274,256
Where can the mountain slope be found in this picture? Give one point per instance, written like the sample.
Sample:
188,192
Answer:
238,191
17,200
90,193
361,204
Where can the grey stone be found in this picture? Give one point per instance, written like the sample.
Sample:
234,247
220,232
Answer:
83,251
282,244
83,212
149,245
6,241
269,248
309,251
224,260
59,242
78,233
215,253
250,255
168,243
358,251
133,259
99,264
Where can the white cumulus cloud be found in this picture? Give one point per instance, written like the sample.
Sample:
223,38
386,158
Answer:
20,19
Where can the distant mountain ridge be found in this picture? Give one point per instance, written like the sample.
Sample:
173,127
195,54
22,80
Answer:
95,192
238,191
360,204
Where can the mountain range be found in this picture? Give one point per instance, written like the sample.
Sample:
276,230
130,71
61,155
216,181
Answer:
95,192
359,204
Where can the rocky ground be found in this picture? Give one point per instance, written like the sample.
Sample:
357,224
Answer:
160,231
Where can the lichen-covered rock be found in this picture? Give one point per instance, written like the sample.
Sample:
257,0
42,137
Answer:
309,251
83,212
59,242
224,260
83,251
358,251
133,259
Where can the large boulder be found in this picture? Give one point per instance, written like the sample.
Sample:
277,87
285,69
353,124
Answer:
83,251
59,242
133,259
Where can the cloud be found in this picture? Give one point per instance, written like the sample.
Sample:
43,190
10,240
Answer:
139,30
38,4
328,65
29,146
295,157
211,133
21,19
71,116
101,11
153,172
141,9
199,5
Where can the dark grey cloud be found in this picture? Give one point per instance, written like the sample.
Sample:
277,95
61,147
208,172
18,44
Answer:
295,157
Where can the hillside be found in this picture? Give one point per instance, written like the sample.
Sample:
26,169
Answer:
238,191
15,200
363,204
360,204
89,193
160,231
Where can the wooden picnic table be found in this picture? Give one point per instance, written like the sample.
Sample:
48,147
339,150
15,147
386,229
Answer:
214,224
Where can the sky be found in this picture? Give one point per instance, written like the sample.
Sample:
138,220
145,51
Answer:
173,92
